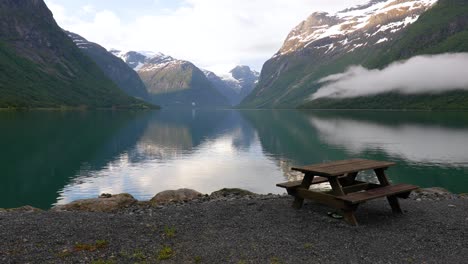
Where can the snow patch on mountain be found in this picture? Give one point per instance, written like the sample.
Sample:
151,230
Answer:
371,20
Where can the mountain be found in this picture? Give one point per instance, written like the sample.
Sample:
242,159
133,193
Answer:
173,83
236,85
114,68
372,35
41,67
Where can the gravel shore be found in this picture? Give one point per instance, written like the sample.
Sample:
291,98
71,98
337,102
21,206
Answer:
250,229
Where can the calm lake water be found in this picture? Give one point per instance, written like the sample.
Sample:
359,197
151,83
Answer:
57,157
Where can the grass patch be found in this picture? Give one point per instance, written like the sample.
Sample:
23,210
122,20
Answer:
275,260
169,231
99,244
165,253
100,261
308,245
138,255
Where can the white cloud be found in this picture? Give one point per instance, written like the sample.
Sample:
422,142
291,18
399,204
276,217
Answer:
437,73
214,34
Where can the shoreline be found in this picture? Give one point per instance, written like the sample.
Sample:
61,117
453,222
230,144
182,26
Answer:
240,228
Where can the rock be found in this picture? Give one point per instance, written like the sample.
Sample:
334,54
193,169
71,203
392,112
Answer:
225,192
105,195
24,209
101,204
433,191
180,195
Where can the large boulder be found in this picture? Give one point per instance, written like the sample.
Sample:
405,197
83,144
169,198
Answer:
230,192
105,203
180,195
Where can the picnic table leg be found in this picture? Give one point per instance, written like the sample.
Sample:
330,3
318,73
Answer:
306,182
348,212
392,200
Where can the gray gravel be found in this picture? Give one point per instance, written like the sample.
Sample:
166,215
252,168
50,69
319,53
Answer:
260,229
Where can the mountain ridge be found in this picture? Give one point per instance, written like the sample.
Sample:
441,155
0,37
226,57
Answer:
291,76
235,85
40,67
114,68
173,83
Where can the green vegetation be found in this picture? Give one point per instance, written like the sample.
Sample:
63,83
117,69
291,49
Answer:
47,70
100,261
456,100
165,253
99,244
275,260
138,255
169,232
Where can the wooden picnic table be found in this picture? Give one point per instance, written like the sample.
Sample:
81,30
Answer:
346,192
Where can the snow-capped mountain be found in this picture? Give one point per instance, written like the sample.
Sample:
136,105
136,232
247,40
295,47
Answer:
114,68
172,82
372,35
236,84
136,59
357,27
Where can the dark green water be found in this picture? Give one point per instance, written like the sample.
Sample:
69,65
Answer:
57,157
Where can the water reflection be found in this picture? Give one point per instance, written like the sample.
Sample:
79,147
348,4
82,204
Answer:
204,154
419,144
59,157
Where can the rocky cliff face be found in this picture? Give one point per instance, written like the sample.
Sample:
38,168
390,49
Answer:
236,85
372,35
114,68
42,67
173,83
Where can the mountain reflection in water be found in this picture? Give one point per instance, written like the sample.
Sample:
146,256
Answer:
59,157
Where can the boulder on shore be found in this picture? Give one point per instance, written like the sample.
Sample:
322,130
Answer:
180,195
228,192
105,203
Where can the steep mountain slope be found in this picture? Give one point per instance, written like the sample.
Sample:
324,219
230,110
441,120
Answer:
173,83
40,66
236,85
372,35
114,68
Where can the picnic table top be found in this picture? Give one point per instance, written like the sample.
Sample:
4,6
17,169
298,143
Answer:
338,168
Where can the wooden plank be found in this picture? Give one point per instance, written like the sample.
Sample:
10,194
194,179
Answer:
322,198
337,168
352,168
358,186
392,200
390,190
295,184
349,216
305,184
325,165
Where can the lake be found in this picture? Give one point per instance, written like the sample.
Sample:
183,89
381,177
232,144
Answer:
52,158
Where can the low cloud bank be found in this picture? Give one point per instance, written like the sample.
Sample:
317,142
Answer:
420,74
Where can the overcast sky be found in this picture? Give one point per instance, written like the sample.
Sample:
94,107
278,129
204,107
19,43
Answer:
214,34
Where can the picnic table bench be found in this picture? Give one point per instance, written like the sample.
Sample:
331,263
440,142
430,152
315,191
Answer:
347,192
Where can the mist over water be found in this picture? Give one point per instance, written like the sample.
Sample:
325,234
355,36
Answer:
420,74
